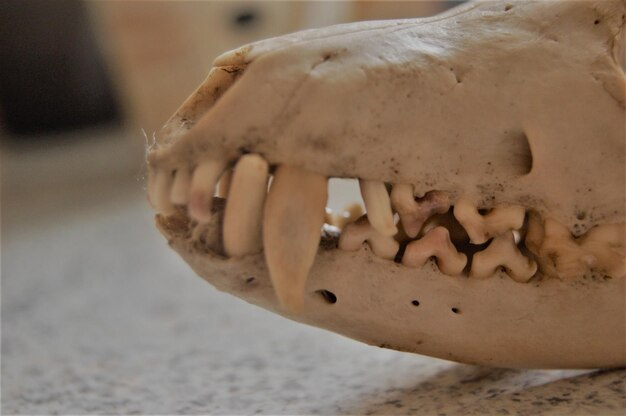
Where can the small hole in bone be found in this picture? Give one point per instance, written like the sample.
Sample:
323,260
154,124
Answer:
456,310
597,21
415,302
328,296
250,280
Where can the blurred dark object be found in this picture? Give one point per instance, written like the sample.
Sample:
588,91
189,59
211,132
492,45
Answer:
52,76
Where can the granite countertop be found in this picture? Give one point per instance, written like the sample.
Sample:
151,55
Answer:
100,317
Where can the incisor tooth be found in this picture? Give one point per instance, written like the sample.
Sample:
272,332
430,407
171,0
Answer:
502,251
413,213
180,188
244,207
292,220
162,186
202,188
378,206
482,228
224,184
356,233
436,243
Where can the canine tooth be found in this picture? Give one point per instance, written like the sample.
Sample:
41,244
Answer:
356,233
435,243
502,251
378,206
162,186
224,184
481,228
202,188
244,207
413,213
293,217
180,188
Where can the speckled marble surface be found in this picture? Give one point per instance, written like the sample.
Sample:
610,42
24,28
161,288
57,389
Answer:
100,317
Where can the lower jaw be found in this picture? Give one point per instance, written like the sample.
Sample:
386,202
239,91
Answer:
548,323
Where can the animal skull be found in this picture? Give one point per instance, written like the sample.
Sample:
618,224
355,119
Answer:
498,129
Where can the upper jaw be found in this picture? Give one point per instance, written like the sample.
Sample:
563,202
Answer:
315,107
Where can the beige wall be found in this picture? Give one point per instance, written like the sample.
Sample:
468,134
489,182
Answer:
159,51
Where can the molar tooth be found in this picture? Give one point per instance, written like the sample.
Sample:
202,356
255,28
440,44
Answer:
202,189
435,243
161,192
292,220
481,228
244,207
502,251
356,233
180,188
414,213
560,255
606,243
378,206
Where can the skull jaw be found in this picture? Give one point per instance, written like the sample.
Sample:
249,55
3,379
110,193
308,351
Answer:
547,323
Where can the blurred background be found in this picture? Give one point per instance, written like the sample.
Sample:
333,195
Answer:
98,315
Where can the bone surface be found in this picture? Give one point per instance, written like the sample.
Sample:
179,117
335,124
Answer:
361,231
513,108
244,207
292,220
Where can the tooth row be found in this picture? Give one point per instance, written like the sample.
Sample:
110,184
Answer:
436,243
481,228
414,212
503,252
355,234
561,255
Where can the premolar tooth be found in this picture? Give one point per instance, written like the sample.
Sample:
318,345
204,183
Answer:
413,213
225,182
244,207
356,233
502,251
435,243
482,228
292,220
180,188
202,189
378,206
161,192
350,213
